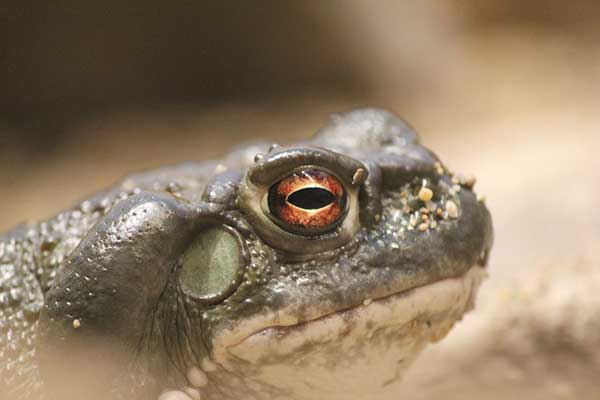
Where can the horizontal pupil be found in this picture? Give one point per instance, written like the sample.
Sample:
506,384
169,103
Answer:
311,198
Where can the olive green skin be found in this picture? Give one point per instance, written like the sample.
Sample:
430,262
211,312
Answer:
112,263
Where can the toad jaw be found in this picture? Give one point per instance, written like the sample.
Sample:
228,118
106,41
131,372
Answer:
350,353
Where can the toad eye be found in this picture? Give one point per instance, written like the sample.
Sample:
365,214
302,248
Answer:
307,202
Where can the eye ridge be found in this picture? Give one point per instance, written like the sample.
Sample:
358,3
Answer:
311,198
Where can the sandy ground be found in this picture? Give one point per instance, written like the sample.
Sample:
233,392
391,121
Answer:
518,110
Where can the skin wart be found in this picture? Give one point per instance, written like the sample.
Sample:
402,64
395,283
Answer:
189,282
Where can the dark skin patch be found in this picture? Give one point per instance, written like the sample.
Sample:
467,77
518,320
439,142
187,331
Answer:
123,247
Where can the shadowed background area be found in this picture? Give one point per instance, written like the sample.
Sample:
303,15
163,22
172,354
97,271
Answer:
505,89
90,92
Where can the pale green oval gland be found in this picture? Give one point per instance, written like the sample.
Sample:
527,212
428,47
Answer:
211,265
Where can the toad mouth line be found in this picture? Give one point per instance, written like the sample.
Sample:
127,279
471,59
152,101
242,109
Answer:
280,331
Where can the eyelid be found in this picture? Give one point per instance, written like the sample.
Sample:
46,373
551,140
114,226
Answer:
279,163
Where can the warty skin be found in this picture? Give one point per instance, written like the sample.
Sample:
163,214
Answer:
98,302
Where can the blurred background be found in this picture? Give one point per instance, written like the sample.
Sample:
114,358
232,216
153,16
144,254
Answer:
508,90
91,91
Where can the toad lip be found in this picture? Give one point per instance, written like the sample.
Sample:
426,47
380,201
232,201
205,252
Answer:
397,309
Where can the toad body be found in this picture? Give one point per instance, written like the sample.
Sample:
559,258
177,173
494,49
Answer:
313,271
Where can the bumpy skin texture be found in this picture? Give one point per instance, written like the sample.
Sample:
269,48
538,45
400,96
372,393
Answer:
92,295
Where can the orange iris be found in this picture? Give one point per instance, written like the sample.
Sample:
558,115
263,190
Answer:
309,199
